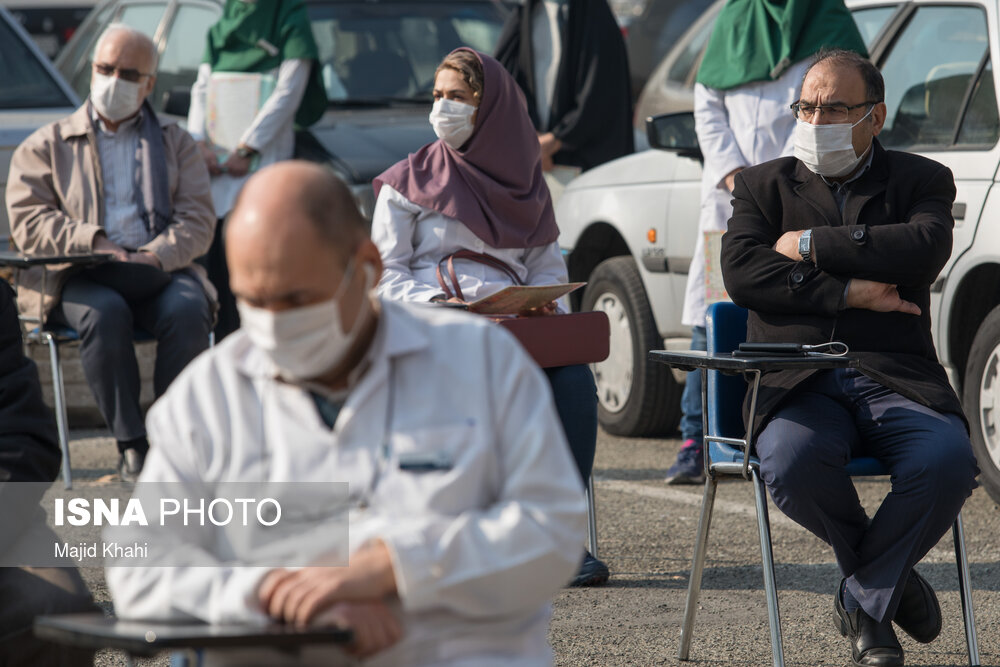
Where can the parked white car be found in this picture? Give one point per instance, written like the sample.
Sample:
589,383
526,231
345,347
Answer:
629,226
32,94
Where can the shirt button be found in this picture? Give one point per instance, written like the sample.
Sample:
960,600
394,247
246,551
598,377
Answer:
858,234
797,277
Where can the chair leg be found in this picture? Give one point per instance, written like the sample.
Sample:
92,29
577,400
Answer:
697,566
965,591
591,517
767,561
59,396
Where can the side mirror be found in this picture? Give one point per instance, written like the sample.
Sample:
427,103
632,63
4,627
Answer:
674,132
177,101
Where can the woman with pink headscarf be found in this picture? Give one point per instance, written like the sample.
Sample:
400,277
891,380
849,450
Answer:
479,190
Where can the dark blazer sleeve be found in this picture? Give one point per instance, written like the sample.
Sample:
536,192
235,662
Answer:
760,278
28,446
909,252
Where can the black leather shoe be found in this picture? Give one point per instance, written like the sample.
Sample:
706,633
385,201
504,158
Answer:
130,464
873,644
592,572
919,614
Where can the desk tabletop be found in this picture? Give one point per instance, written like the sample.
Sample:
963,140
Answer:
691,359
148,638
22,261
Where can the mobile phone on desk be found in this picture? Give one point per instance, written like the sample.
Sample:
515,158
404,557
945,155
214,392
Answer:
770,350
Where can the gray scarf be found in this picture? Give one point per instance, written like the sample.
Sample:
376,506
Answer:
153,193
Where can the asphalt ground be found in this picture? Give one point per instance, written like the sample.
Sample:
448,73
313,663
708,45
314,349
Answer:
646,534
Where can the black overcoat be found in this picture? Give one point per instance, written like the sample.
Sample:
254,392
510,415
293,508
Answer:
592,104
896,228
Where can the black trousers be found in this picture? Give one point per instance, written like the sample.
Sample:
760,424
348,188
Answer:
179,317
27,592
575,396
840,414
228,318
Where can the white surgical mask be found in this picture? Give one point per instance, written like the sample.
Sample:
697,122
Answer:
114,98
308,341
827,150
452,121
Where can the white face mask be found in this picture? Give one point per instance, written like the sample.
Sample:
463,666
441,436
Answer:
828,150
306,342
114,98
452,121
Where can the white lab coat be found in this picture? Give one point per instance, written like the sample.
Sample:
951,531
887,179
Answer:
736,128
412,239
478,551
272,133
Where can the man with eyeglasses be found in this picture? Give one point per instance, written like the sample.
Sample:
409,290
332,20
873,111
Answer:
841,243
112,178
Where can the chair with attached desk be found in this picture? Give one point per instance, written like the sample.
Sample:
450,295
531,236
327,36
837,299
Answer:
54,336
728,451
187,639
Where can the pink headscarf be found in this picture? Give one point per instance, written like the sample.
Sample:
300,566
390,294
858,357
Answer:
494,186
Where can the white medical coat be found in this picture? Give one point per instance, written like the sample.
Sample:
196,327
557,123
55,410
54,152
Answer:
478,551
412,239
740,127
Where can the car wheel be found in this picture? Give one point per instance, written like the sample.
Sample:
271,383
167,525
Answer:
982,401
637,397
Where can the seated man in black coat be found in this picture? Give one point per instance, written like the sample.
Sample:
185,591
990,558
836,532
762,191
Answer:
28,453
842,243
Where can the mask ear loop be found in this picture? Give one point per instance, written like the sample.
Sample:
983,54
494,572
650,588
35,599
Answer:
860,120
369,278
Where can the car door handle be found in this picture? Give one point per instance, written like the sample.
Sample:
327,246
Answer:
958,210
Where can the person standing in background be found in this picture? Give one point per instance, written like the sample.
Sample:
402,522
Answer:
751,72
568,56
272,38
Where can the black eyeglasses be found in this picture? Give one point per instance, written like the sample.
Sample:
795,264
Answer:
132,75
835,113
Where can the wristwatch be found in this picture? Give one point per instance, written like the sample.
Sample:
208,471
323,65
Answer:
245,152
805,245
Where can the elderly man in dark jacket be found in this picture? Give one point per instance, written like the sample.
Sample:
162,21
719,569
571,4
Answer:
842,243
28,453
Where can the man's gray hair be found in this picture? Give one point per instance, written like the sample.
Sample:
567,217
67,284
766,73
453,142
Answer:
874,84
138,35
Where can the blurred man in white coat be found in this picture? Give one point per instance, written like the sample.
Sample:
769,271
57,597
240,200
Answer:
454,563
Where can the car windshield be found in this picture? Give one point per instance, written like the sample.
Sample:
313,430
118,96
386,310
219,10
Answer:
374,53
24,82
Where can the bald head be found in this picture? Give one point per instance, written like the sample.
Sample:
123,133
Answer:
280,198
119,37
291,235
